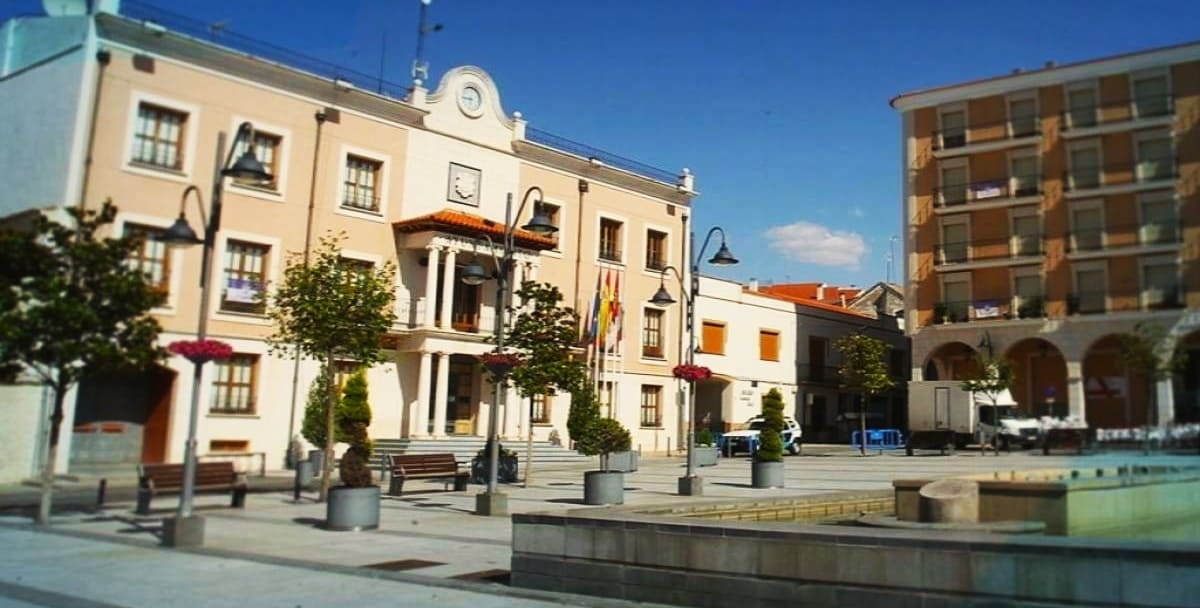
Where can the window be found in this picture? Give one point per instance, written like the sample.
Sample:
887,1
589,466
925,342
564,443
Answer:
651,406
1085,166
362,184
956,297
245,277
656,250
712,338
158,137
896,363
1027,292
1090,290
607,390
266,150
955,243
954,184
953,132
1022,117
1150,96
1024,171
1081,107
1026,234
768,345
540,412
1154,157
652,334
356,267
1160,284
1159,223
234,384
151,257
1087,226
610,240
229,445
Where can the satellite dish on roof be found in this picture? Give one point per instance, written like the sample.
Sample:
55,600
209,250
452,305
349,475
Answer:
65,8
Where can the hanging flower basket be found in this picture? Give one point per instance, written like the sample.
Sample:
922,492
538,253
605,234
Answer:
691,373
499,364
201,351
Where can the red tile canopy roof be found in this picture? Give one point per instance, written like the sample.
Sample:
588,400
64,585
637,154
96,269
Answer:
472,226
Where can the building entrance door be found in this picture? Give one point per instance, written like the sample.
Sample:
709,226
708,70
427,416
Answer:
460,419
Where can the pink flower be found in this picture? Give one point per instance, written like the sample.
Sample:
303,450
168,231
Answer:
691,373
201,351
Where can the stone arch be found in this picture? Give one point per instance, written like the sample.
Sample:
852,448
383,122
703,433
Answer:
1039,376
1187,379
1115,397
951,360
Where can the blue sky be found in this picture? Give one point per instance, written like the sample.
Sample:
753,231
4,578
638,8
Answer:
779,107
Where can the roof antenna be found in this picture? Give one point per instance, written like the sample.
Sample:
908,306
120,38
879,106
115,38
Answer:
420,67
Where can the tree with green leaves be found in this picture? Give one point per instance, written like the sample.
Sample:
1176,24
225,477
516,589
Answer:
314,426
328,309
991,377
1150,350
71,304
770,437
543,333
864,372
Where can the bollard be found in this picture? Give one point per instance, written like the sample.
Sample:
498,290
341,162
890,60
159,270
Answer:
668,447
101,491
304,475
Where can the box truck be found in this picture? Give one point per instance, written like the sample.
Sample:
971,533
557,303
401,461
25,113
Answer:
942,414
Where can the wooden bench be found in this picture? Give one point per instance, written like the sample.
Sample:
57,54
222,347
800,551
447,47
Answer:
156,479
424,466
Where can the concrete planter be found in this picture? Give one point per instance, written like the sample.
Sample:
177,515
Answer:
706,456
352,509
626,462
603,488
766,474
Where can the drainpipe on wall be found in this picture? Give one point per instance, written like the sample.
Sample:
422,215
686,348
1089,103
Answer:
103,57
321,116
583,189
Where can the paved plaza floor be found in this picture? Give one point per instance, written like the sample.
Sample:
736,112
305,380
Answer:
429,544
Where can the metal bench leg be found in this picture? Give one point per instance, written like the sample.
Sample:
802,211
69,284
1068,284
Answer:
396,487
239,497
144,495
460,483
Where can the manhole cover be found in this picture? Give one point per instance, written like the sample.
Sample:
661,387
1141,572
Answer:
404,564
491,576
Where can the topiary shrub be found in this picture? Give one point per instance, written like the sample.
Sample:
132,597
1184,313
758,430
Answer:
353,420
313,427
585,409
770,447
704,437
603,437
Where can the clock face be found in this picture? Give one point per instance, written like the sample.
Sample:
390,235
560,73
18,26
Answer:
470,99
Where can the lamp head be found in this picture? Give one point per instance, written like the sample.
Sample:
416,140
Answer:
662,297
247,168
723,257
473,274
179,234
540,224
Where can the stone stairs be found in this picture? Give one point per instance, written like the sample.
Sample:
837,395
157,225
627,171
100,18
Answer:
464,449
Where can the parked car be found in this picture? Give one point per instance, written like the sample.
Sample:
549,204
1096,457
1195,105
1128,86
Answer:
746,440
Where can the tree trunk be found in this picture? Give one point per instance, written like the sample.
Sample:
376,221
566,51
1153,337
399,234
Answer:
43,515
330,430
862,425
529,446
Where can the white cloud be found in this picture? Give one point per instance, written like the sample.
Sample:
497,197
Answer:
816,244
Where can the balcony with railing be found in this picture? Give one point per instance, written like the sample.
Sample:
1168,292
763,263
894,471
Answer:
410,315
360,200
1111,116
1118,178
1015,190
1023,248
1152,237
982,310
1096,301
982,137
821,374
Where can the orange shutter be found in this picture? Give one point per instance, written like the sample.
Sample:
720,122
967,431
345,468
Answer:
768,345
712,339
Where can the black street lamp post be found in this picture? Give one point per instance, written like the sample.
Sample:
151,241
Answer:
492,502
692,484
186,529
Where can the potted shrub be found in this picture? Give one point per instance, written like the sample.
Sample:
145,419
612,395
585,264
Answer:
603,437
939,312
506,466
354,505
767,468
313,426
706,452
